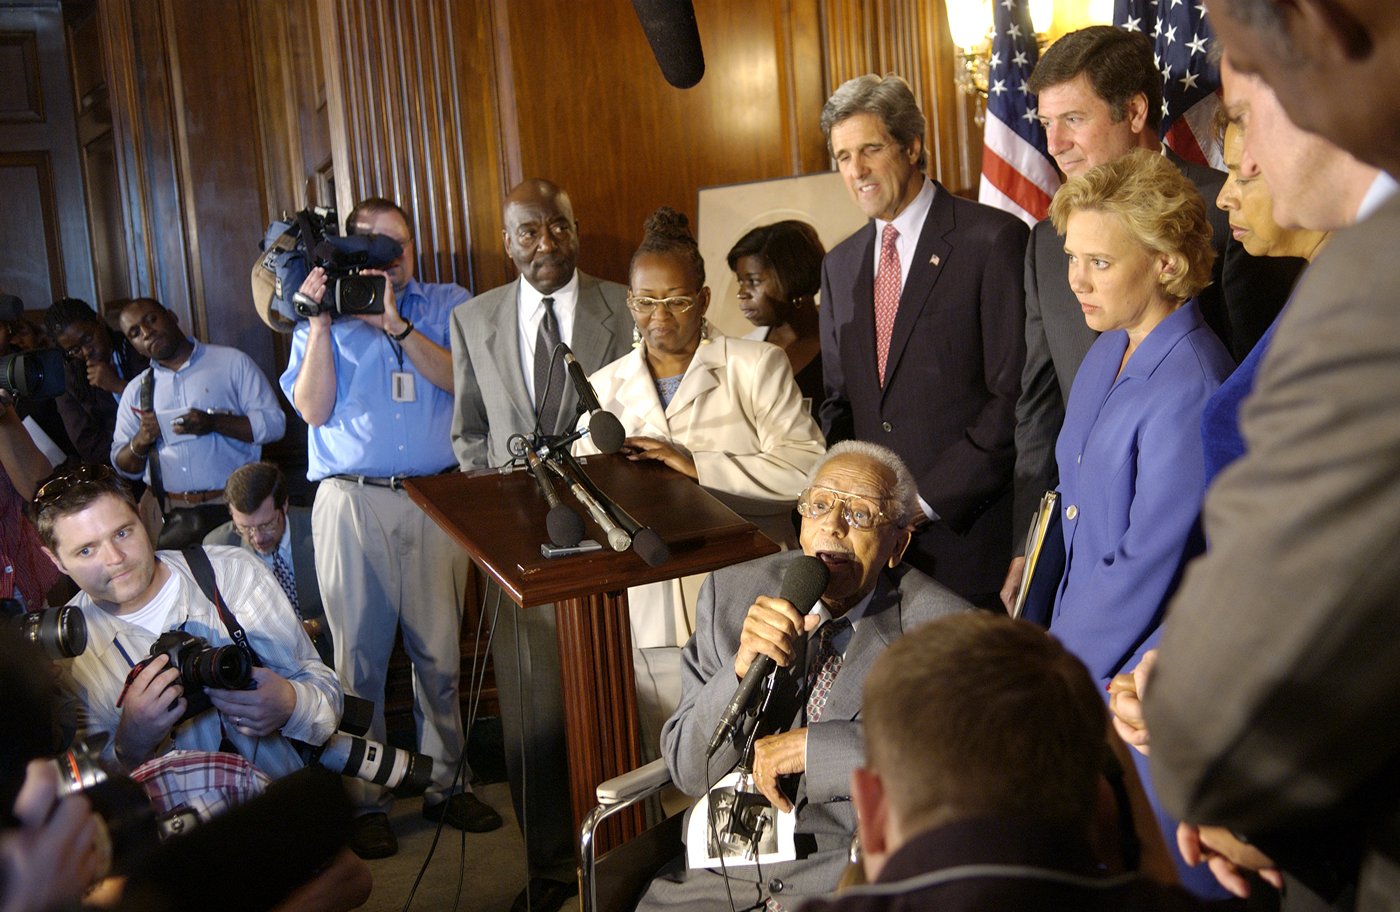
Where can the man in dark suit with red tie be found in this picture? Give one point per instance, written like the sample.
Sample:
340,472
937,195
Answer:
922,326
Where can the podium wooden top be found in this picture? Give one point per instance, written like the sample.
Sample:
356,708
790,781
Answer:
499,518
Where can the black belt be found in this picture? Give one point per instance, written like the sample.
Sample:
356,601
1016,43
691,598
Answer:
392,482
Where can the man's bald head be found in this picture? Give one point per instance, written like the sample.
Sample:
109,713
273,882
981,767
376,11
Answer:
541,234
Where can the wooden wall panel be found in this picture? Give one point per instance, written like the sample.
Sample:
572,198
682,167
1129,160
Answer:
45,235
394,95
596,116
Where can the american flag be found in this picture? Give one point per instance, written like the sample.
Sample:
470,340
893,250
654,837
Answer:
1181,38
1018,174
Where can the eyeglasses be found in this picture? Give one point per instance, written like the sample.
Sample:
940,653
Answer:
858,511
676,305
61,484
267,528
78,352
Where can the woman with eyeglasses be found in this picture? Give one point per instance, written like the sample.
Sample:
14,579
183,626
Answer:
779,270
725,412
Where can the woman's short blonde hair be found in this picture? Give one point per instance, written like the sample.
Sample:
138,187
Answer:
1160,208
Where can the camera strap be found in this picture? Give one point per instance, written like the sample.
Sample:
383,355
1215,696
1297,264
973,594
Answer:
147,398
203,570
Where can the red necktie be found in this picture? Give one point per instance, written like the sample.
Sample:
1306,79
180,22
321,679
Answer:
887,288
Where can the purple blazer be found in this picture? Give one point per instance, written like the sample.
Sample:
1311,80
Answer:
1132,480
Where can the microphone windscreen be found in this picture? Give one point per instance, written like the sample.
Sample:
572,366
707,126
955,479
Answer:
565,526
606,431
252,856
804,582
674,38
652,549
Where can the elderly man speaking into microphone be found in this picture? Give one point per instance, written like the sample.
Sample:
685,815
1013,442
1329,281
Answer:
856,513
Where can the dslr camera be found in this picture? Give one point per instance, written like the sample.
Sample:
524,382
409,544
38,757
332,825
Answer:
201,665
60,632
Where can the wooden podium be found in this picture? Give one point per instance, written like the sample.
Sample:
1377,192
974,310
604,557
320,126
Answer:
499,518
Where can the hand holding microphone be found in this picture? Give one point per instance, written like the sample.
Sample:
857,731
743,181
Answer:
803,583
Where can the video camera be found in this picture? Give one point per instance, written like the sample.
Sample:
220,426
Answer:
292,247
29,375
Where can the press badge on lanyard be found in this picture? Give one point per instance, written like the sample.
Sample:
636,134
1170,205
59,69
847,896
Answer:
401,386
401,382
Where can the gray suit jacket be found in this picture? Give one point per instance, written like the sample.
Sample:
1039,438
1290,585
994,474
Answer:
492,401
903,599
303,557
1273,706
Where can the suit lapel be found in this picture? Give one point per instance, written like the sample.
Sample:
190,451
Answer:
637,396
304,559
592,340
863,304
502,341
930,259
700,377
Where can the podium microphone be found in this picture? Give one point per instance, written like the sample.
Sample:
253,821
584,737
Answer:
803,583
617,537
645,541
603,425
564,525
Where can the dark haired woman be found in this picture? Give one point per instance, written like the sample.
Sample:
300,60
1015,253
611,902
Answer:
779,270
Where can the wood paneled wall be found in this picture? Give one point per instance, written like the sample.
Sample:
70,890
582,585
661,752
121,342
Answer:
445,105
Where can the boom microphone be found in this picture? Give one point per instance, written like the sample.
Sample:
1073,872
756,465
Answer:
564,525
674,38
803,583
603,426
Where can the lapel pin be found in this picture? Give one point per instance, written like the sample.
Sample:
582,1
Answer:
934,259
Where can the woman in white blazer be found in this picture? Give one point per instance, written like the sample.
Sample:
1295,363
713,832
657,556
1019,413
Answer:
725,412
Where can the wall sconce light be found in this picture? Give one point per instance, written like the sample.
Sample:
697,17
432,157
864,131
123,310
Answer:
970,23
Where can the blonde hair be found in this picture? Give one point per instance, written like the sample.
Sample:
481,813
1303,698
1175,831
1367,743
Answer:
1161,209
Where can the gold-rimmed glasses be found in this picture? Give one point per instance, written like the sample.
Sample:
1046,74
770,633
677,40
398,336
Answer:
859,511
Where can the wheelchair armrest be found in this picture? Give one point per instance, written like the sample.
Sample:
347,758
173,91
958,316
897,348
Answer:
635,785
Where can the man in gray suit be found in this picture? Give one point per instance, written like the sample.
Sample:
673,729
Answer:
856,513
1100,97
1272,707
280,535
509,382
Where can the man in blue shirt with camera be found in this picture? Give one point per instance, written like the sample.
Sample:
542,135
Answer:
376,391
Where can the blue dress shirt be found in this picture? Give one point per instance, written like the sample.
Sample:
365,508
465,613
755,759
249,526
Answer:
214,377
368,433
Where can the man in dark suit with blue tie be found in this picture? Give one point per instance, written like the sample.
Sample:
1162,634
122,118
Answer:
280,535
922,318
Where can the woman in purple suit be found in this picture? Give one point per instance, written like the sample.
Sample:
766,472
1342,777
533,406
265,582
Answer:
1132,474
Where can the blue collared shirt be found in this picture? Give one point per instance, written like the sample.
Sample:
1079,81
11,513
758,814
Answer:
214,377
368,433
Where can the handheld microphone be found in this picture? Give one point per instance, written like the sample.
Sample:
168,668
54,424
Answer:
645,541
803,583
564,525
618,539
606,430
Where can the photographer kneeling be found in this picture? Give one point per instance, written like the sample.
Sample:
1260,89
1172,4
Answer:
132,595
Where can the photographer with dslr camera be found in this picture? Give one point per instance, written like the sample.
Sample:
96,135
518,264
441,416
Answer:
132,596
376,391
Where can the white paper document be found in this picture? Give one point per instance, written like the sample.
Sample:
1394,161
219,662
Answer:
738,825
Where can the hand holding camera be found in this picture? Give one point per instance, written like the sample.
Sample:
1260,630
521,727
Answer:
58,850
263,710
152,703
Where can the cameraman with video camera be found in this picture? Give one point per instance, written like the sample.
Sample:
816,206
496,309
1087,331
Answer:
376,390
132,595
